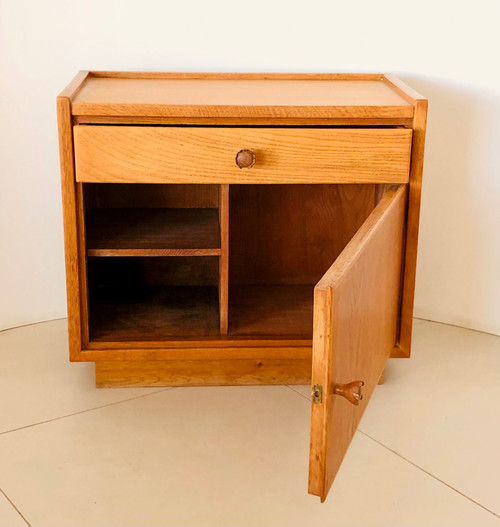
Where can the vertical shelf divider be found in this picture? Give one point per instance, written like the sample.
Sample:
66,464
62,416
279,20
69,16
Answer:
224,258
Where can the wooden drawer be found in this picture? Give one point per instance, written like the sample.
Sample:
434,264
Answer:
162,154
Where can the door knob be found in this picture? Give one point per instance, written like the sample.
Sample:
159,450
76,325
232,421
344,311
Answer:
245,159
351,391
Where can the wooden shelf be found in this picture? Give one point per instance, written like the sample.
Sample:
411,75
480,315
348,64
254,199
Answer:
271,310
153,313
153,232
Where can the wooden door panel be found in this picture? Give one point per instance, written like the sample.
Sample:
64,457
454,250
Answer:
356,307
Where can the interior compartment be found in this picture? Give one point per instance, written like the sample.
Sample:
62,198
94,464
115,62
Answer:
153,232
153,261
282,239
139,298
158,262
152,220
138,195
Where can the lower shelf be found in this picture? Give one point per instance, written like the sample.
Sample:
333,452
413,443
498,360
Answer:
271,310
151,313
165,312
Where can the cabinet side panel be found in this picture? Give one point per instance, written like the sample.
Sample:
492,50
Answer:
410,265
70,225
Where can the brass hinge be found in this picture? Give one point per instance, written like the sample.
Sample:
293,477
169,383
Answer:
317,394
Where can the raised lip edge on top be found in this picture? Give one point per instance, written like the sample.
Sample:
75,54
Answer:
393,82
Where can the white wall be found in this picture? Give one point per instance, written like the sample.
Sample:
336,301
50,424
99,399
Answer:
448,50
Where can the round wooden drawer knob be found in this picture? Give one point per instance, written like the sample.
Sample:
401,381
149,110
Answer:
245,159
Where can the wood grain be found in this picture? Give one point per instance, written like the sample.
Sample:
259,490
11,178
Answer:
75,85
82,263
355,329
305,120
271,310
152,252
291,234
210,344
153,312
239,95
400,87
128,154
412,226
288,236
203,373
153,232
403,348
224,259
200,349
171,196
217,75
70,220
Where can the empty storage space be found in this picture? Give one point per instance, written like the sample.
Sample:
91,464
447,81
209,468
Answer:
161,265
153,232
282,239
152,220
141,298
155,264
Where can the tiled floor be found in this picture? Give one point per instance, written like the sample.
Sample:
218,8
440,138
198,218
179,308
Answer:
427,451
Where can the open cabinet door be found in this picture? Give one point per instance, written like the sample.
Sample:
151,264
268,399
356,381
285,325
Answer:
355,328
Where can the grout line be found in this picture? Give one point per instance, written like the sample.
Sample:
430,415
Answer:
456,326
17,510
414,318
32,324
297,392
429,474
87,410
412,463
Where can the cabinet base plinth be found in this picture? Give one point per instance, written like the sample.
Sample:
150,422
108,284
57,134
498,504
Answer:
202,372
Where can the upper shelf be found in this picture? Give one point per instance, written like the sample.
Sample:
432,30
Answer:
153,232
247,96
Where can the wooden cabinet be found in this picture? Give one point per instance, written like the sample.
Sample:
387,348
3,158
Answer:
243,229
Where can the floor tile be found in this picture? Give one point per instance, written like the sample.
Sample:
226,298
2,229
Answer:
9,517
440,409
232,456
37,381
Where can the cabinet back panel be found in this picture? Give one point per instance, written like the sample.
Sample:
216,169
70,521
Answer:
291,234
105,195
173,271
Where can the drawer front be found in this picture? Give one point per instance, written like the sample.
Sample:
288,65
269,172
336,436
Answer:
149,154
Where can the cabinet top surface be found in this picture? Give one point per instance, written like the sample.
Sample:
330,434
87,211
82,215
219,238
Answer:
240,95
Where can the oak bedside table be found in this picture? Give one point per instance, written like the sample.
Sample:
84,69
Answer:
243,229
